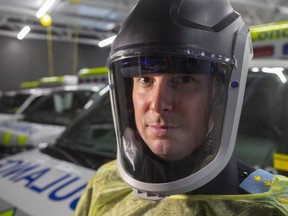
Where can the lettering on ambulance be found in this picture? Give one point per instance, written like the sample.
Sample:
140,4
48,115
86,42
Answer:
54,197
73,204
40,190
17,171
271,35
19,168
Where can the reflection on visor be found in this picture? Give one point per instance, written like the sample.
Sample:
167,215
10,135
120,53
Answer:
165,64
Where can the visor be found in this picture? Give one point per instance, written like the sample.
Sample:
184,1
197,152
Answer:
160,148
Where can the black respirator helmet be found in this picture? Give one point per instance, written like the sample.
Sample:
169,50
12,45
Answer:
179,37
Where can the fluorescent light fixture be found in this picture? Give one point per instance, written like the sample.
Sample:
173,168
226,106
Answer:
24,31
107,41
44,8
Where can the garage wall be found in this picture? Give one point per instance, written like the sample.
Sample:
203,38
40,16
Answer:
27,60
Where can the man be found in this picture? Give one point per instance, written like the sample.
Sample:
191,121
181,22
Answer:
177,73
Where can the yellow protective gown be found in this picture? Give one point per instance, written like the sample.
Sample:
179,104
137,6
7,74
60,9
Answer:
107,194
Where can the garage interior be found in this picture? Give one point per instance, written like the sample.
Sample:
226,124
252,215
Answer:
70,42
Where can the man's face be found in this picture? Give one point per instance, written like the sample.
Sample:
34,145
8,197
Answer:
173,112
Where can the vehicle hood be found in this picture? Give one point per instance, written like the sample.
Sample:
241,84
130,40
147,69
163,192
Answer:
33,183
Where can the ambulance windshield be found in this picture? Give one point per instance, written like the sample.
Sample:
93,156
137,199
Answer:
90,141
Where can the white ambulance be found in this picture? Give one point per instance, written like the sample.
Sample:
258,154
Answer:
50,180
46,121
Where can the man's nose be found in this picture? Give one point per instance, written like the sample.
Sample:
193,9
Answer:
162,97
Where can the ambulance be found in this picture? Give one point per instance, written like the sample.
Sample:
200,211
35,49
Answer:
14,104
263,128
47,120
50,180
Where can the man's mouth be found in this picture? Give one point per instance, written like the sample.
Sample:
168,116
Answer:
161,130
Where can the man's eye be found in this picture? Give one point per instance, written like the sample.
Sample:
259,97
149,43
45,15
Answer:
145,80
184,79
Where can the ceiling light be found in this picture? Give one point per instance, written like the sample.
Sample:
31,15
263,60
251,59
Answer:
24,31
46,20
44,8
107,41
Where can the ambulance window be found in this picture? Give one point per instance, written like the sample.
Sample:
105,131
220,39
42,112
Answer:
33,103
10,104
91,140
263,98
59,108
96,133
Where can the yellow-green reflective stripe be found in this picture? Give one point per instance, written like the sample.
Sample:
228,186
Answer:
267,32
51,80
9,212
22,140
87,72
29,84
7,139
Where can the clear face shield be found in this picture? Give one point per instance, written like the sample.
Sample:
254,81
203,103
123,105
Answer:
169,111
